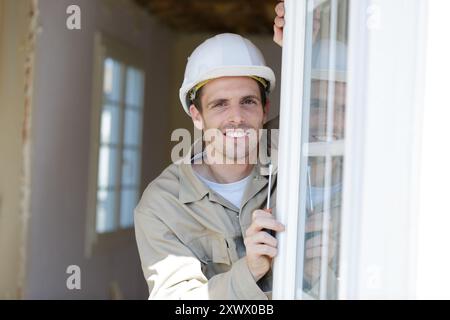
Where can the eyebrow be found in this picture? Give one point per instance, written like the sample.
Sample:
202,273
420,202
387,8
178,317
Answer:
216,102
225,100
250,96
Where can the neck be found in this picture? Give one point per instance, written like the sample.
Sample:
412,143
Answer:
227,173
216,167
221,172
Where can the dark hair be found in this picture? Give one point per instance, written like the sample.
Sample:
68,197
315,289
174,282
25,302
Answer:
198,97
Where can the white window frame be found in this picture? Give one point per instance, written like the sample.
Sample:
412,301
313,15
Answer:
284,269
105,47
371,266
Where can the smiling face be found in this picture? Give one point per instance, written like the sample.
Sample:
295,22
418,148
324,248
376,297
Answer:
231,116
318,126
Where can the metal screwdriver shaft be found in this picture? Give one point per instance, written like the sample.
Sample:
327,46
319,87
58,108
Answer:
269,188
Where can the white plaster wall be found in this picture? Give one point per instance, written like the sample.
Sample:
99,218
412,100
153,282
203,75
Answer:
61,134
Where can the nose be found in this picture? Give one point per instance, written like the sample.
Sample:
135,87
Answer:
235,114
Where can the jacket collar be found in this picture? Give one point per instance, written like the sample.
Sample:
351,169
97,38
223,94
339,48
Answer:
192,189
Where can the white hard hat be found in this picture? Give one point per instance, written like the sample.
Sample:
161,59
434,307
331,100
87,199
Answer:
224,55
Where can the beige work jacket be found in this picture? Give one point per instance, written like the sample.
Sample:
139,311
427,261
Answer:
190,239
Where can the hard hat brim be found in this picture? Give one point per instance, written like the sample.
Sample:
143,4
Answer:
229,71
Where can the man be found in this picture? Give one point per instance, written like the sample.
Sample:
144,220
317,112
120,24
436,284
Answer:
200,229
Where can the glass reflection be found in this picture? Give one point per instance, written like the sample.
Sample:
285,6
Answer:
324,133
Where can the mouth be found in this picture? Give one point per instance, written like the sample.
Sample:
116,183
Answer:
236,133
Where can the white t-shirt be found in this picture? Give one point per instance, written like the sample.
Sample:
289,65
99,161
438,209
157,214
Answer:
233,192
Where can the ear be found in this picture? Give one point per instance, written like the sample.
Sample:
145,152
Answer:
196,117
266,109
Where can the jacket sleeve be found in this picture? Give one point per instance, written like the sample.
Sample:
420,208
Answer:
172,271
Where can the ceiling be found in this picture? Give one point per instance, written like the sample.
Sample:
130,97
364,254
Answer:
215,16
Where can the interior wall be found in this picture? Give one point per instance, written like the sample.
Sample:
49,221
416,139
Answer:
13,31
61,144
184,44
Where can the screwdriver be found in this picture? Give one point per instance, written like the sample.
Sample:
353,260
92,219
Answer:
269,191
269,188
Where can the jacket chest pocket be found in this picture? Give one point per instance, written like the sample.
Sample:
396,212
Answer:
216,253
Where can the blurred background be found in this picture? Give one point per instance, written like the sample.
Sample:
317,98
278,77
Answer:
88,102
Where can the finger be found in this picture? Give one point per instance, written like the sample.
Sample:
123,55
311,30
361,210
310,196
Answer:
264,223
279,22
314,242
316,223
261,213
315,252
279,9
264,250
277,35
261,237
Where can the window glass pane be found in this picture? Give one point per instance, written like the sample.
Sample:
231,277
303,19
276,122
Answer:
131,167
135,87
109,128
112,80
323,133
119,109
105,211
107,167
132,127
129,201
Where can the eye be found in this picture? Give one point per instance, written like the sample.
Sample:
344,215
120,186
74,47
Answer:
219,105
249,101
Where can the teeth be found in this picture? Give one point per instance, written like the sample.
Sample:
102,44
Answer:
235,133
